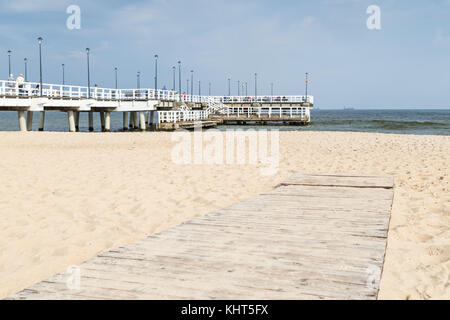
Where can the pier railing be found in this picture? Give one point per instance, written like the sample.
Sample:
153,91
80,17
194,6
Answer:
291,112
32,89
248,99
176,116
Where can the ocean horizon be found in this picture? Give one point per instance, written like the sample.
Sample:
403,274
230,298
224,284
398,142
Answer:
398,121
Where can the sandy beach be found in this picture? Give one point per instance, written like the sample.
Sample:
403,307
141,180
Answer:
67,197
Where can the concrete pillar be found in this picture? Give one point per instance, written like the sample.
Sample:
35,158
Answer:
125,121
142,116
107,121
30,121
152,119
22,120
77,121
71,118
131,124
41,120
102,120
135,120
91,121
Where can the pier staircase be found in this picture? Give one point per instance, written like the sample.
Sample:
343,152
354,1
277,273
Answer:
215,107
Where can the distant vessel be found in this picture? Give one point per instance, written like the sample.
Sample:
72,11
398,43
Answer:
348,108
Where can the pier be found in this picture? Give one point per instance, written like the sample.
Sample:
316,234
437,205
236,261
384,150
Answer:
145,109
313,237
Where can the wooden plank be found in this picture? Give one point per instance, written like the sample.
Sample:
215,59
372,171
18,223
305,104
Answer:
295,242
340,180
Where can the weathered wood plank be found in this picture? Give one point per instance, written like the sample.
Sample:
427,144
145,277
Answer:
340,180
314,237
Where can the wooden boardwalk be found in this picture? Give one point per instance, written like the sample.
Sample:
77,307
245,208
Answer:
313,237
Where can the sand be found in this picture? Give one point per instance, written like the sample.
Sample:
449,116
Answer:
66,197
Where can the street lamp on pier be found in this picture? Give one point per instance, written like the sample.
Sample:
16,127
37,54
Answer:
179,77
25,60
9,63
156,72
40,65
138,79
306,86
256,86
192,82
63,74
115,74
89,73
173,69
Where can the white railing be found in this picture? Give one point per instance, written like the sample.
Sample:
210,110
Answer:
32,89
176,116
248,99
216,107
302,112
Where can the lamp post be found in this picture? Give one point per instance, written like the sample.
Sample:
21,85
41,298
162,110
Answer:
239,88
199,88
256,86
246,85
138,80
25,60
179,77
156,72
89,73
271,89
115,73
63,74
192,82
173,69
306,86
9,63
187,86
40,65
229,87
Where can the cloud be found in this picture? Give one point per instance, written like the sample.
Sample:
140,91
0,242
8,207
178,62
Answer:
440,38
306,22
25,6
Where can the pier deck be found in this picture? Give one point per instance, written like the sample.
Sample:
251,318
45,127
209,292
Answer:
313,237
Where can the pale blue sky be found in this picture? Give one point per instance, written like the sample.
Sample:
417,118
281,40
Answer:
405,64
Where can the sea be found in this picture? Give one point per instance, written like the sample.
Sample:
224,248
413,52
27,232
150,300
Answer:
404,121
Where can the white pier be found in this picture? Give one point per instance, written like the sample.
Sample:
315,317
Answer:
161,109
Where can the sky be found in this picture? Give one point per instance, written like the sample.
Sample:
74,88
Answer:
404,64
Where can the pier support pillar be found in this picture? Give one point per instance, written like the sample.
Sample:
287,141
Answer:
41,120
125,121
77,121
91,121
107,121
22,120
131,124
142,118
102,120
135,120
71,119
30,121
151,122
